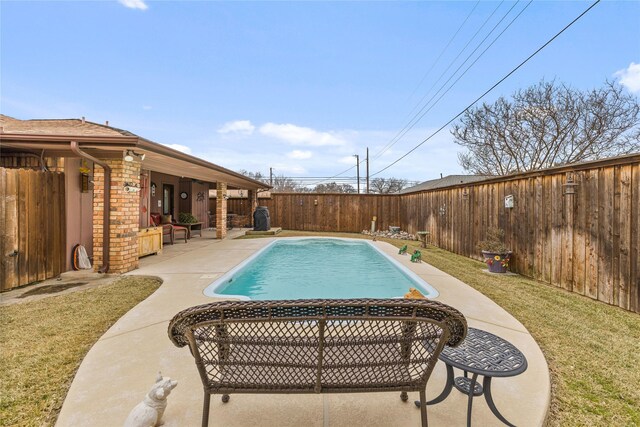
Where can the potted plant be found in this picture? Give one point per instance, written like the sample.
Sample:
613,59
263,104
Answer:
187,218
494,251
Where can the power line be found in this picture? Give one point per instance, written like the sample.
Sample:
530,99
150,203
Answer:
396,137
451,63
442,52
421,113
490,89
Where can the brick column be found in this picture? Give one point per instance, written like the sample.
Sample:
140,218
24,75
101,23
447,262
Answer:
221,210
253,204
125,216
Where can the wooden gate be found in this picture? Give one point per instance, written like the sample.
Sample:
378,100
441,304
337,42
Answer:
32,226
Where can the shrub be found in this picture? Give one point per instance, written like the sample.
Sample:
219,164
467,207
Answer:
187,218
494,241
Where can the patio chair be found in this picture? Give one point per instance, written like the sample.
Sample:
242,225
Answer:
317,346
168,229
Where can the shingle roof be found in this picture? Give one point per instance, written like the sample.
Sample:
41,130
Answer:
445,182
58,127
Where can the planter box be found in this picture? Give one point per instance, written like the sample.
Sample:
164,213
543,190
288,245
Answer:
149,241
497,262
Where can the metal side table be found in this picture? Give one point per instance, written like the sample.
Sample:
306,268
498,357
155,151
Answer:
481,353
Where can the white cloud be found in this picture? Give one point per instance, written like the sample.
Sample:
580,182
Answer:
299,154
630,77
134,4
285,169
347,160
179,147
147,107
298,135
243,127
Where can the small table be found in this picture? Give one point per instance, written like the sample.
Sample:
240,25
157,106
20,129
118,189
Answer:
230,218
422,236
193,228
481,353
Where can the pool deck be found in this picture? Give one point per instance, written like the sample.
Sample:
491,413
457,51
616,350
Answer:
121,367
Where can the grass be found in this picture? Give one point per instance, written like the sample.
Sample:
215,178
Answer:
43,342
593,349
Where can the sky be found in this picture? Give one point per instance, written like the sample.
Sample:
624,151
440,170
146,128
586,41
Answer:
301,87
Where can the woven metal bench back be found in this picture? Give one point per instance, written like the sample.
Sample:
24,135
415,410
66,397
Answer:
311,346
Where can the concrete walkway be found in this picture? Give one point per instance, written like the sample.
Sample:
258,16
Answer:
121,367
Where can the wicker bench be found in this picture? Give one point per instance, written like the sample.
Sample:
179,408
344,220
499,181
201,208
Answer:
317,346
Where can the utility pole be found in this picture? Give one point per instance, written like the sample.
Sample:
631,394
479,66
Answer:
271,177
367,170
358,170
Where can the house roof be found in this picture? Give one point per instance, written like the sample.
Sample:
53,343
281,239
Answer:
59,127
446,181
53,138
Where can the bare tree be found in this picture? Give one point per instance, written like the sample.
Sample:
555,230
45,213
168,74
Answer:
548,124
283,184
258,176
333,187
387,185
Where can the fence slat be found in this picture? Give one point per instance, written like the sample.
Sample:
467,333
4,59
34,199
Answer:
23,226
12,243
626,224
634,252
34,258
579,234
593,242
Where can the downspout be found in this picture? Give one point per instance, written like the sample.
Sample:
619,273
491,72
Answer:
107,204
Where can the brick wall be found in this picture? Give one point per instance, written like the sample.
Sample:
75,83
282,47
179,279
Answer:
123,256
221,210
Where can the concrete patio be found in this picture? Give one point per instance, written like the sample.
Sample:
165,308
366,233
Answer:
121,367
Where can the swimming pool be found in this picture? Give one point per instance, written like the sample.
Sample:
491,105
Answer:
302,268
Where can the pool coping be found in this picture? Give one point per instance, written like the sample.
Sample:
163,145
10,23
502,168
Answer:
120,368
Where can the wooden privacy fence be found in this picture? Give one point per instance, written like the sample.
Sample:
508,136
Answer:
32,223
575,227
332,212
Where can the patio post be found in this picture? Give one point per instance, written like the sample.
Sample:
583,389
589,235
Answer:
124,215
253,204
221,210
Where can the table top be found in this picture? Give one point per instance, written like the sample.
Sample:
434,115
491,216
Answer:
486,354
184,224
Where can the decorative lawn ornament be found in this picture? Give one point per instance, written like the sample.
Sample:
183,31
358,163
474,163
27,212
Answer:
403,250
414,294
416,257
149,412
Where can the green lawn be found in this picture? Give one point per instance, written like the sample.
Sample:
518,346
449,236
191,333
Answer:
593,349
43,342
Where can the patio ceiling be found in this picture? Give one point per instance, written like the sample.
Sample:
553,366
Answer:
158,157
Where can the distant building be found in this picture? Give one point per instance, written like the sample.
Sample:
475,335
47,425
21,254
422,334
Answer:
447,181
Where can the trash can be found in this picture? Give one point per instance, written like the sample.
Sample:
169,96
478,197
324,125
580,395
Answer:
261,220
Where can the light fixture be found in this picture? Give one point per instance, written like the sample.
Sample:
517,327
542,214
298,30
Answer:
131,187
130,153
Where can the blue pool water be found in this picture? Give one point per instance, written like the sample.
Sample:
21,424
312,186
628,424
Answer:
318,268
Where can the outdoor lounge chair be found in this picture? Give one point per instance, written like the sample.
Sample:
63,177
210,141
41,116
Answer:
317,346
168,229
